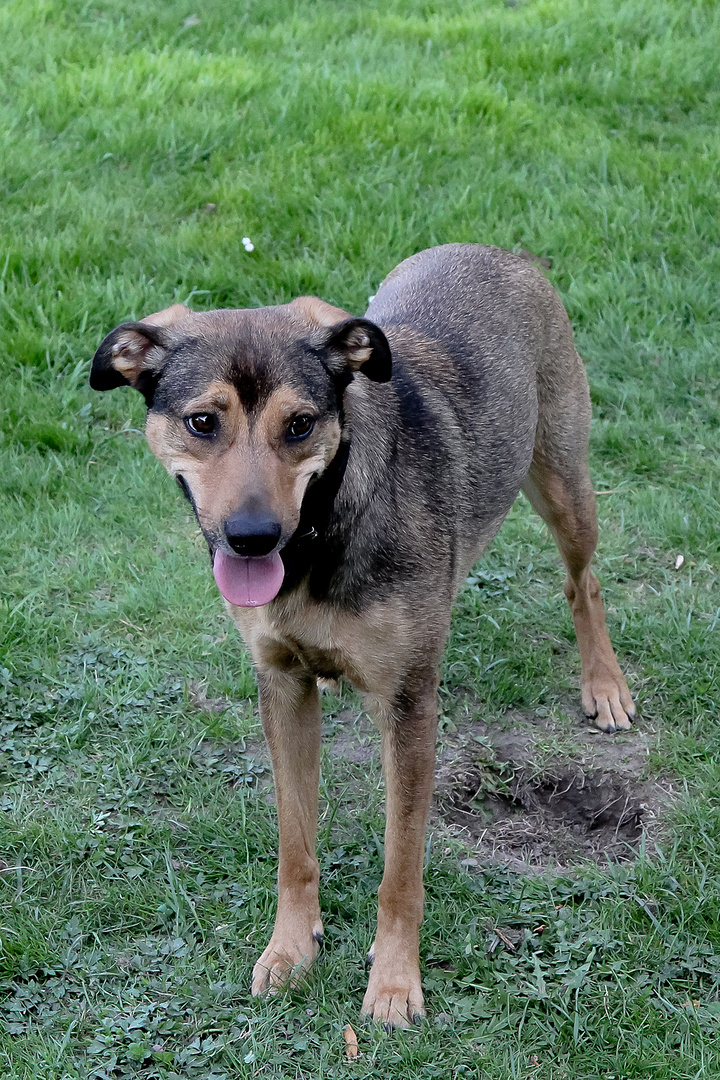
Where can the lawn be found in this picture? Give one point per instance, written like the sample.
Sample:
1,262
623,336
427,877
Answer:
138,145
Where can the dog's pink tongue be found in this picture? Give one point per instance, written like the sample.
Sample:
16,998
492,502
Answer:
248,582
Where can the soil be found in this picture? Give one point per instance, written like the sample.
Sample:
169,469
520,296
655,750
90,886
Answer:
516,797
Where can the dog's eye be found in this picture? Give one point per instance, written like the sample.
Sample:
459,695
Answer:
201,423
300,427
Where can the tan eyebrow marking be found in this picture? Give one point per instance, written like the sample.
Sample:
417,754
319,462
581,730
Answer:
217,396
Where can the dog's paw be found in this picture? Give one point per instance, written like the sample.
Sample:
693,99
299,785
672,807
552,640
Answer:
394,996
287,958
606,698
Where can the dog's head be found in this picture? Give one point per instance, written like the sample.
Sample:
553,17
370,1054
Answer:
245,411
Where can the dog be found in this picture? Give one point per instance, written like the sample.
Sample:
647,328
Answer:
346,474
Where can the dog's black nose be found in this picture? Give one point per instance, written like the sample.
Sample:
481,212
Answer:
250,535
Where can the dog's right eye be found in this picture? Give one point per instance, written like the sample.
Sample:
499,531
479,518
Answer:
202,424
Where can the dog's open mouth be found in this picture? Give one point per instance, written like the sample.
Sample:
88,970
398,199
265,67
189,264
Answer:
248,582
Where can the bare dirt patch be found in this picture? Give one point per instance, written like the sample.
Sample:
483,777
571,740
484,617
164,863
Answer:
353,738
520,794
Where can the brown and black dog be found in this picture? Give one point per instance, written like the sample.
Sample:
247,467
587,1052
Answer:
347,473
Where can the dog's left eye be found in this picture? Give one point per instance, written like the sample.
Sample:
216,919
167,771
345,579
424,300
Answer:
300,427
201,423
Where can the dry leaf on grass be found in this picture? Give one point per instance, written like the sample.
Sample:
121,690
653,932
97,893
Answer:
351,1043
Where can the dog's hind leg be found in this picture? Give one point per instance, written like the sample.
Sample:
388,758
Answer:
558,486
291,718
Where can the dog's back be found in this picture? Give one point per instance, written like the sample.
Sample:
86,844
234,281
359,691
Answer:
475,333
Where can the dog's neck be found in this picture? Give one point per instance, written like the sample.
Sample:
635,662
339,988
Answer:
322,547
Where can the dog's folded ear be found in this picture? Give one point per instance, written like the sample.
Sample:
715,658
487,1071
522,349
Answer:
319,311
133,354
359,345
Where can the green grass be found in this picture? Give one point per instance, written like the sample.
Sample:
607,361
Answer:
138,848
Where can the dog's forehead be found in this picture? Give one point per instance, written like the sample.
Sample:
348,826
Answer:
255,351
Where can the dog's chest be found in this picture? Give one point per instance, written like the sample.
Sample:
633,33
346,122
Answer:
369,649
316,640
296,631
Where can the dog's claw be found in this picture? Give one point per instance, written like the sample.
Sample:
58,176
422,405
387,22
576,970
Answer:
610,716
394,1011
606,699
286,960
394,997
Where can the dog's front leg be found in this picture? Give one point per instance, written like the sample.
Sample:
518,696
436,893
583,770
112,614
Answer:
394,995
291,718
